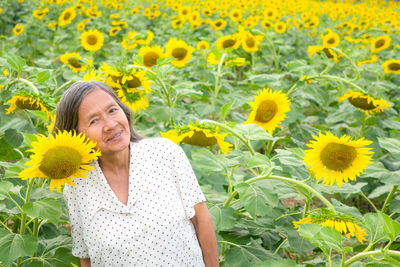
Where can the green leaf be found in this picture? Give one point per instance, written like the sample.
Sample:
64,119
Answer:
288,158
16,62
378,171
260,161
257,200
226,109
48,208
300,245
390,144
223,217
205,160
7,152
43,76
395,206
277,263
253,132
374,225
14,246
391,227
13,137
5,187
61,258
323,237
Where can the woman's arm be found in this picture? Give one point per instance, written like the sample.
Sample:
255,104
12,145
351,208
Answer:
205,232
85,263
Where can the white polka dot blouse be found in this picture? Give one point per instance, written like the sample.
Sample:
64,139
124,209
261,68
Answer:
154,227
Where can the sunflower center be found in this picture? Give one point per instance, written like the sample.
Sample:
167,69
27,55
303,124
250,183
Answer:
134,82
328,53
362,103
394,66
27,104
266,111
338,157
218,24
199,139
67,15
60,162
379,43
228,43
150,59
331,41
92,39
179,53
74,63
250,42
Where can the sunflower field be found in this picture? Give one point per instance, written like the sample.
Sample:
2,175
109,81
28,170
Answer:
288,111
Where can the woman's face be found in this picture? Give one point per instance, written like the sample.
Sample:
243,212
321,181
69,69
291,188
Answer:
103,121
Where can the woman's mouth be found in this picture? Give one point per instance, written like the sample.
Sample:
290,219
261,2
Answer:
115,137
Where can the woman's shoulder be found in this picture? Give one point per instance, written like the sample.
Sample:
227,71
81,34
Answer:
157,143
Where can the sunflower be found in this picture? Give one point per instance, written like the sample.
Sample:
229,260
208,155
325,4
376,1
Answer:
92,40
39,14
365,103
150,55
343,223
66,16
18,29
52,25
228,41
92,75
114,30
280,27
373,59
250,42
337,159
268,109
184,13
391,66
179,50
218,24
266,24
60,157
25,100
196,134
135,81
235,14
380,43
331,39
212,59
134,100
202,45
73,61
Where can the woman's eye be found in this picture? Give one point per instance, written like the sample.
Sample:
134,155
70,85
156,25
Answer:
92,121
113,110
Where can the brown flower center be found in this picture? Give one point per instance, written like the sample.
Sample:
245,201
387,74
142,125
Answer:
250,42
394,66
338,157
266,111
150,59
362,103
134,82
179,53
60,162
92,39
27,104
228,43
380,43
74,63
67,15
199,139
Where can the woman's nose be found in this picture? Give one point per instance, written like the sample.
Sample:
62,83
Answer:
109,124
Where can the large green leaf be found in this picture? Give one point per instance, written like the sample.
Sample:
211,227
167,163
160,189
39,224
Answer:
374,226
13,137
277,263
390,144
61,258
299,244
16,62
14,246
247,255
253,132
48,208
257,200
323,237
7,152
223,217
390,226
260,161
205,160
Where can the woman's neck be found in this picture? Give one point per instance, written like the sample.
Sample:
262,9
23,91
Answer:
115,162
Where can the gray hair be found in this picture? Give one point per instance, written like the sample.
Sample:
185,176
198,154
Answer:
67,113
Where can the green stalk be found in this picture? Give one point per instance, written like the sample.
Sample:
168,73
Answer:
6,227
61,87
36,227
351,61
369,201
362,255
30,84
217,87
291,89
228,243
389,198
336,78
343,258
280,245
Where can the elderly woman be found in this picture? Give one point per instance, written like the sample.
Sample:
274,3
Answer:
142,205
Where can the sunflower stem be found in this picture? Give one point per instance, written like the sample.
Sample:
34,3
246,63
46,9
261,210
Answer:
280,246
336,78
287,215
61,87
36,227
389,198
228,243
306,207
217,82
30,84
272,47
351,61
369,201
269,147
6,227
291,89
362,255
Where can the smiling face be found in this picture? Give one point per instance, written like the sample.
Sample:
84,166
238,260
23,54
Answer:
103,121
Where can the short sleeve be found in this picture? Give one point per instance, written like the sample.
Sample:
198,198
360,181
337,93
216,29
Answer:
190,190
79,248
